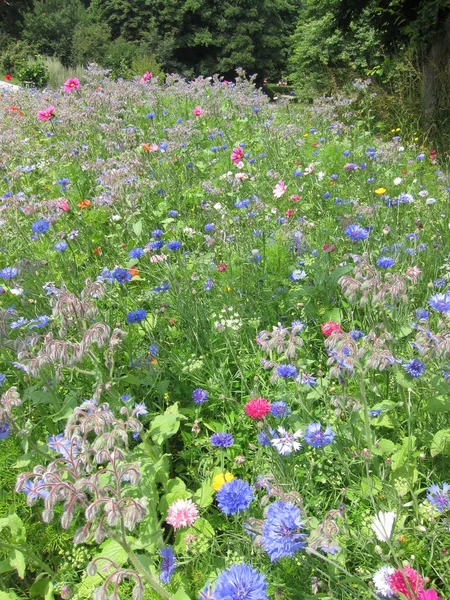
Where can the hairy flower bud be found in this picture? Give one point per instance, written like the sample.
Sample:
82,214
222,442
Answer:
91,568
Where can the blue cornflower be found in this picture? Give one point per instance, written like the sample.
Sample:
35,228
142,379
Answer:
356,233
210,227
242,203
297,275
105,275
264,439
222,440
153,350
286,371
136,316
415,368
150,115
314,436
173,213
326,195
174,245
240,582
440,283
439,497
440,302
308,379
40,322
234,496
2,378
374,412
64,181
41,226
140,410
421,314
162,288
200,396
356,334
121,275
9,272
209,284
157,233
136,253
156,245
282,531
4,430
168,565
61,246
280,409
385,262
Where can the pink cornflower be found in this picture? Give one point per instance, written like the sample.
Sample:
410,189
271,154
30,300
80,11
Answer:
47,114
236,155
257,408
429,595
182,513
146,76
330,327
198,112
71,84
407,582
279,189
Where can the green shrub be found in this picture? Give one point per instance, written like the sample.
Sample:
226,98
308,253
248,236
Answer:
35,73
90,43
119,58
15,56
146,62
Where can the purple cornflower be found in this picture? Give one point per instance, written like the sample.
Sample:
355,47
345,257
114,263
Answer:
439,496
222,440
200,396
210,227
209,284
240,582
286,371
156,244
9,272
421,314
280,409
41,226
234,496
314,436
136,253
415,368
4,430
385,262
440,302
136,316
157,233
356,233
173,213
281,533
174,245
168,565
121,275
61,246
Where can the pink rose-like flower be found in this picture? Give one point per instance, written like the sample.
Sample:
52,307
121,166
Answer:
198,112
330,327
429,595
146,76
257,408
47,114
407,582
182,513
64,205
279,189
71,84
236,155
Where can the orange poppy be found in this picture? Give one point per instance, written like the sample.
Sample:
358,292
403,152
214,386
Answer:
84,204
133,272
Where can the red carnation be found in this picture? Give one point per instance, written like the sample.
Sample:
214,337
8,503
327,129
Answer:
329,248
330,327
8,77
222,267
257,408
407,582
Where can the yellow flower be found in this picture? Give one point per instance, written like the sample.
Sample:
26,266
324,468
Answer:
228,289
305,135
220,479
380,191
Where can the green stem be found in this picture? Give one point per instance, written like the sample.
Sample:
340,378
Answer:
32,556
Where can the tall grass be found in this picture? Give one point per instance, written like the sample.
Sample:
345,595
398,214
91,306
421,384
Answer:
58,73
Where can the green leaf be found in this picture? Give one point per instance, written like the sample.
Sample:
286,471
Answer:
204,495
42,588
437,404
165,426
137,228
401,457
16,526
441,443
17,561
180,594
385,447
334,314
10,595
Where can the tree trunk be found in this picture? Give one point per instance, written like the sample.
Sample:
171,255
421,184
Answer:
435,74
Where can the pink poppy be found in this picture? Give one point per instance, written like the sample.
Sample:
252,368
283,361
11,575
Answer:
71,84
146,76
198,112
64,205
429,595
330,327
236,155
47,114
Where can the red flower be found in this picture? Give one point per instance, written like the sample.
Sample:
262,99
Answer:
222,267
257,408
407,582
290,212
295,198
330,327
429,595
329,248
8,77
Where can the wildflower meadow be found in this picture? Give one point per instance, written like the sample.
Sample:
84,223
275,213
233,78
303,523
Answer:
225,346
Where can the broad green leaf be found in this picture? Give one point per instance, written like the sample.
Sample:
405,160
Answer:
16,526
10,595
165,426
137,228
441,443
17,560
402,456
42,588
384,447
180,594
437,404
204,495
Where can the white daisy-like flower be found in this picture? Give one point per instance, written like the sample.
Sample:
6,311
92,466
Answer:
398,180
286,443
381,581
383,524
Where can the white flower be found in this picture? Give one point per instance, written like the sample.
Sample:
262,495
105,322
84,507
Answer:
401,148
217,206
398,180
116,218
320,175
430,201
383,524
381,581
423,193
16,291
279,189
286,442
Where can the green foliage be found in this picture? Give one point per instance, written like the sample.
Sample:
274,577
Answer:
34,73
15,56
90,43
119,58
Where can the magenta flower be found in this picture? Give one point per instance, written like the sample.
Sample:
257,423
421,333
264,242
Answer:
146,76
182,513
237,155
198,112
47,114
71,84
